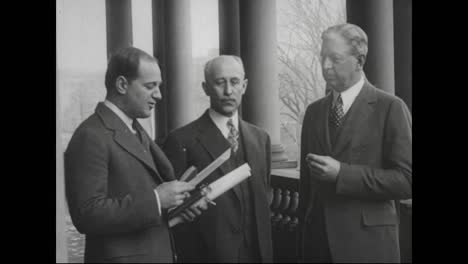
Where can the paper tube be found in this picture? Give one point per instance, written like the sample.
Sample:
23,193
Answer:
221,185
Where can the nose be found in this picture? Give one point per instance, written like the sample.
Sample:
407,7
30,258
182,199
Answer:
156,94
228,88
326,63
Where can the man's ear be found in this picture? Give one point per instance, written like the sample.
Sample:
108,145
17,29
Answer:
121,85
205,88
244,86
361,59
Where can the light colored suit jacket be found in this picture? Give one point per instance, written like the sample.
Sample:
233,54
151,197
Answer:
110,179
374,148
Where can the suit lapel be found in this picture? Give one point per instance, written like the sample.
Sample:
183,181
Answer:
212,139
122,136
321,126
162,163
251,149
214,142
357,114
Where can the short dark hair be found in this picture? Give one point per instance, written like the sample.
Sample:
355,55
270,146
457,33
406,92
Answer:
125,63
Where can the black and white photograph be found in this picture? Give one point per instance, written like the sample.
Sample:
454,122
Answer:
233,131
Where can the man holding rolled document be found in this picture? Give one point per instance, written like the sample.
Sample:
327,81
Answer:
119,184
238,228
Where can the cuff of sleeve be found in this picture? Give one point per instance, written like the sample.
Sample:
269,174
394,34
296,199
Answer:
350,180
344,179
159,203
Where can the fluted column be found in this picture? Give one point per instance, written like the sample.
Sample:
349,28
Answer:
118,25
259,53
375,17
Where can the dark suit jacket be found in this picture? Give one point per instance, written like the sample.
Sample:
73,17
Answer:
375,151
216,234
109,187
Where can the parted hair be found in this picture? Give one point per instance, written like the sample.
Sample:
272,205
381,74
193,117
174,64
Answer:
125,62
354,35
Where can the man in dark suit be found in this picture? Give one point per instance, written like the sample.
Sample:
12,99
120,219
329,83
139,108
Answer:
238,228
356,160
119,184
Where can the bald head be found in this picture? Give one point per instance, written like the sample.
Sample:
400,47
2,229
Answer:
221,61
225,83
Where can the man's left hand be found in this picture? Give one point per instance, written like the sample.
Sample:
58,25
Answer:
324,168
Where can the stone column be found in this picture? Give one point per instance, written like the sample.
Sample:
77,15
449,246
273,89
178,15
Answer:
375,17
229,31
259,53
173,47
229,35
402,11
159,33
118,25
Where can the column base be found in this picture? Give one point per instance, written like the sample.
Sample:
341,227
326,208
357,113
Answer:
279,160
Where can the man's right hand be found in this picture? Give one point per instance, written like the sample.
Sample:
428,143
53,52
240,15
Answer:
173,193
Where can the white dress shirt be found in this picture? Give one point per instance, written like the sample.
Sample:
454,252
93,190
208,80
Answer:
124,117
128,121
221,121
349,95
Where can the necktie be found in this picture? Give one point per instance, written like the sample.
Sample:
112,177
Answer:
336,118
337,113
139,133
233,135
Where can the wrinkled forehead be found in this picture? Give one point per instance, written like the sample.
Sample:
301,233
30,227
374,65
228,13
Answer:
226,67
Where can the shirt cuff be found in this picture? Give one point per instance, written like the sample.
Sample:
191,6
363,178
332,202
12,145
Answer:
159,203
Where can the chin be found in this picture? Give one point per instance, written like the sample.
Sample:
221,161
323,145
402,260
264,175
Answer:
144,115
228,112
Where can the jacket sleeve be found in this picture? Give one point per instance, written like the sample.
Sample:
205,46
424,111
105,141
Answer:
92,209
392,181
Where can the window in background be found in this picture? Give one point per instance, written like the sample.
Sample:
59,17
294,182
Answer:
205,46
299,27
142,28
81,65
81,61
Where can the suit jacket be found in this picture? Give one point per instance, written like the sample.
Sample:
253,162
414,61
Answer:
110,179
216,234
374,148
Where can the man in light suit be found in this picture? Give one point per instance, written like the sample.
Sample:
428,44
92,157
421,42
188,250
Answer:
119,184
356,160
238,228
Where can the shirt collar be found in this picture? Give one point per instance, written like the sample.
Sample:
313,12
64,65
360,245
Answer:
221,121
349,95
124,117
